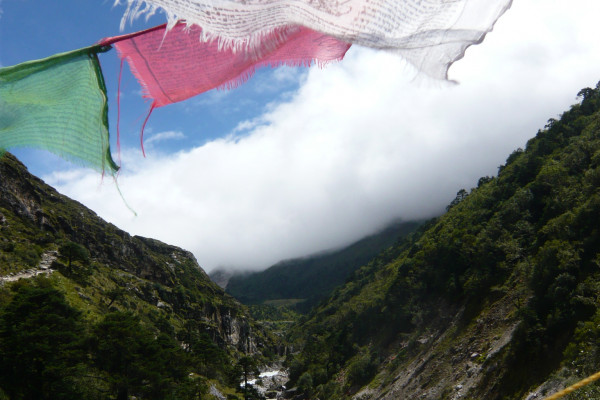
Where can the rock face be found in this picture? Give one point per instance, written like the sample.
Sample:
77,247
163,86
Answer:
271,383
454,366
35,220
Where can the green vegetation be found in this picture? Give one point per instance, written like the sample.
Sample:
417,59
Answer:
41,344
48,351
528,239
502,291
99,314
303,283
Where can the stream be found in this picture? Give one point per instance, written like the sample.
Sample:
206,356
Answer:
270,383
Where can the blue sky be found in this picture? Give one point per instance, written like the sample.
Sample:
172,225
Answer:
298,161
34,29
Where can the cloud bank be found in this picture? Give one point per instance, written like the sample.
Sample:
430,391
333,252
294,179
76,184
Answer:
360,143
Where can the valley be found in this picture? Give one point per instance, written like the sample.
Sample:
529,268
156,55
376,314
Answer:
498,298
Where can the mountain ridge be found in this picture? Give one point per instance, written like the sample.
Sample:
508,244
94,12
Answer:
498,298
103,281
495,299
310,279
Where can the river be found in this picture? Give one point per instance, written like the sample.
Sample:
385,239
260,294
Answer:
270,383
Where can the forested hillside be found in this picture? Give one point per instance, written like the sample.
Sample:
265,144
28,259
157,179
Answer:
493,299
306,281
89,312
499,298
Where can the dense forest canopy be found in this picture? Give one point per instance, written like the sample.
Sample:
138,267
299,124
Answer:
528,237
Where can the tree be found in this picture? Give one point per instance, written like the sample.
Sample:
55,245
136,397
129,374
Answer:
305,383
72,251
207,358
114,294
586,94
460,196
41,346
134,360
248,368
483,180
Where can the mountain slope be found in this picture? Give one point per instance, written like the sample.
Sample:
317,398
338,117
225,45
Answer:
138,292
492,299
313,278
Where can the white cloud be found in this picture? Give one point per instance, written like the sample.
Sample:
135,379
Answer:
162,136
288,75
360,143
212,97
280,77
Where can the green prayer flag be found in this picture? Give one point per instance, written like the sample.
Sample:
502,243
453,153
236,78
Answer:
58,104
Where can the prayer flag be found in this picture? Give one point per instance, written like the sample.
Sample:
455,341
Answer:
175,65
58,104
430,34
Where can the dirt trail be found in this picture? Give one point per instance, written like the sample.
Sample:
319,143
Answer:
42,268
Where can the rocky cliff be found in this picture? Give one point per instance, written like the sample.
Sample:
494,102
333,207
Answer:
101,269
35,219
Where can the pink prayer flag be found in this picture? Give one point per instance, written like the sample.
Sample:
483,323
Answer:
175,65
430,34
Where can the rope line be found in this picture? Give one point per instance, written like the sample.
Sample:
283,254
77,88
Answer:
574,387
